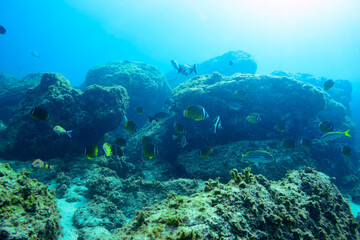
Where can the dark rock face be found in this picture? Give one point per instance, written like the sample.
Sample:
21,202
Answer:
13,91
90,115
242,62
146,86
304,205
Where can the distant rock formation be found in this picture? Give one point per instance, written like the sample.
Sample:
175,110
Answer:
13,91
340,92
90,115
145,85
227,64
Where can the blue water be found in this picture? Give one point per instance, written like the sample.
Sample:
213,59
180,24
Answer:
318,37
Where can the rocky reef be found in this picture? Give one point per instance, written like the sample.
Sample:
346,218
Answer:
89,114
146,86
13,91
227,64
27,208
298,105
304,205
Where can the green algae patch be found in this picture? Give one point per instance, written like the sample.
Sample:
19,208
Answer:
27,207
304,205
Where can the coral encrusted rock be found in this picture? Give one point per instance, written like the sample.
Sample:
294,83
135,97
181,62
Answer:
88,114
304,205
146,86
27,208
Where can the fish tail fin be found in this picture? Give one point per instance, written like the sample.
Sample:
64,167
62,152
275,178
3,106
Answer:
347,133
195,68
69,133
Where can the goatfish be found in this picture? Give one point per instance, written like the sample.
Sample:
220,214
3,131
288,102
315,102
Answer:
257,156
91,151
335,135
217,124
328,84
149,150
130,126
41,165
39,113
61,131
107,149
195,112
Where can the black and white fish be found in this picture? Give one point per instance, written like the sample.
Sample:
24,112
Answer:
217,124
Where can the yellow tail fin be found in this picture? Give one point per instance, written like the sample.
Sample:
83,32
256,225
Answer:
347,133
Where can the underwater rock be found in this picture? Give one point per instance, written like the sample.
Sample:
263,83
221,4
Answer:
12,92
99,212
90,115
229,156
276,99
304,205
133,194
340,92
95,233
27,208
242,62
146,86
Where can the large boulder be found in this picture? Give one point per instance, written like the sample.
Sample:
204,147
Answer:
13,91
241,62
340,92
27,207
146,86
90,115
304,205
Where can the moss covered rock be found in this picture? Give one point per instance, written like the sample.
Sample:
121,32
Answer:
304,205
27,208
146,86
90,115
